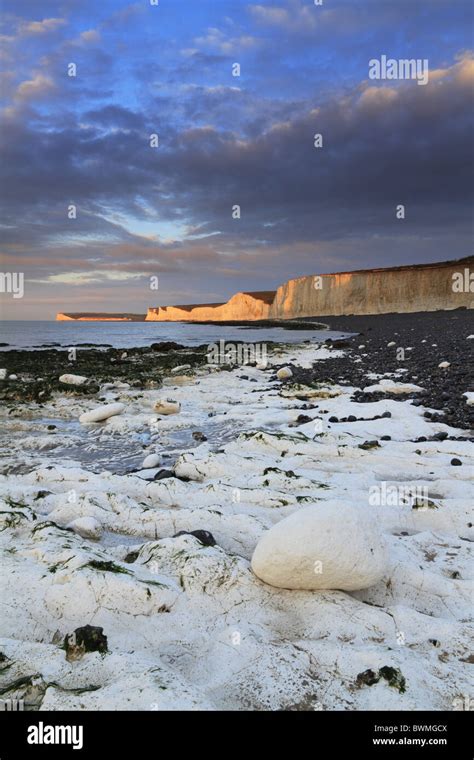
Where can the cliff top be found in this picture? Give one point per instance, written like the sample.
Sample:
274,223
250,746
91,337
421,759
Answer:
403,267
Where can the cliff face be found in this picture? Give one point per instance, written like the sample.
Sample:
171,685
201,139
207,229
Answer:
421,287
98,317
430,287
239,307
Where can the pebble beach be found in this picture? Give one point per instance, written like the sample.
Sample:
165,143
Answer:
287,535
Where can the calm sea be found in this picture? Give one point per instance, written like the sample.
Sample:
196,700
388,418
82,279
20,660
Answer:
31,334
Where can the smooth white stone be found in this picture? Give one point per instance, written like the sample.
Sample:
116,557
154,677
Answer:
167,406
324,546
102,413
73,379
152,460
87,527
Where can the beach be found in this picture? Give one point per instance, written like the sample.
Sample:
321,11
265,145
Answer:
378,418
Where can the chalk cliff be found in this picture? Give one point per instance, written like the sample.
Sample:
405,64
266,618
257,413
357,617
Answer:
421,287
98,317
241,306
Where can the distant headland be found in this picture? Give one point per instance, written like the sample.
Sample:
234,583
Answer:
419,287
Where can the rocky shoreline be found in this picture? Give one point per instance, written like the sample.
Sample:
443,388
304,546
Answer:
136,589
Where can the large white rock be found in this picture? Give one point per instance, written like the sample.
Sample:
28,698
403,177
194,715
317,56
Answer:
284,373
73,379
167,406
152,460
87,527
102,413
392,386
324,546
3,374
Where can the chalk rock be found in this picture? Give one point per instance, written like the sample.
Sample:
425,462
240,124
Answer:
3,374
469,396
102,413
444,365
284,373
167,406
391,344
152,460
392,386
181,368
87,527
13,377
73,379
470,337
325,546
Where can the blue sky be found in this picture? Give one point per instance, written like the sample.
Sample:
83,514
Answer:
224,140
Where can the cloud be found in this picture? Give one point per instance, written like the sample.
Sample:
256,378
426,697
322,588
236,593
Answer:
45,26
87,278
218,41
35,88
226,141
90,36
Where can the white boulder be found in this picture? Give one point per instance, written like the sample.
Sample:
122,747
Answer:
102,413
73,379
392,386
444,365
284,373
167,406
3,374
469,396
152,460
87,527
391,344
324,546
181,368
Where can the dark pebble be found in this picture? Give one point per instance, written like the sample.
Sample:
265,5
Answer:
89,637
204,536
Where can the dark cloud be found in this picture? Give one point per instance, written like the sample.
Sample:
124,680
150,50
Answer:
227,141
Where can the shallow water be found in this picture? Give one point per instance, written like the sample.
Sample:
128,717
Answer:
98,450
30,334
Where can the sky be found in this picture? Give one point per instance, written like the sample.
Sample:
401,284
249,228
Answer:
164,207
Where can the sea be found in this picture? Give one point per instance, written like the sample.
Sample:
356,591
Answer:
43,334
77,444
